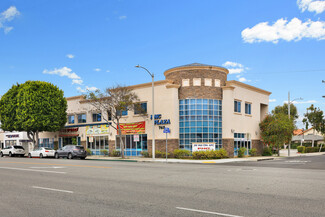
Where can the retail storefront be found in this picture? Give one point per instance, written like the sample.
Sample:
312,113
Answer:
69,136
97,138
134,138
18,138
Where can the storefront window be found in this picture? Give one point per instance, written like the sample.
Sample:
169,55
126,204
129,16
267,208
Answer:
241,140
200,121
132,148
97,143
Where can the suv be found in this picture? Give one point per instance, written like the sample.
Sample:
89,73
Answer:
71,151
13,150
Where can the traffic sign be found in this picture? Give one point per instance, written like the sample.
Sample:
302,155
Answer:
166,130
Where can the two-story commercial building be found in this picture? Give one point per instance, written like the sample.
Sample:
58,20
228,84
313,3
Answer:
196,102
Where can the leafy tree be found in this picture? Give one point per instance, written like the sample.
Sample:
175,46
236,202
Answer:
316,119
34,106
284,110
112,102
276,129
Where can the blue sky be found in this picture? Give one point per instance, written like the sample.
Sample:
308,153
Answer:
277,45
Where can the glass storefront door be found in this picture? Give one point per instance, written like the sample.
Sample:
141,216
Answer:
132,148
241,141
97,143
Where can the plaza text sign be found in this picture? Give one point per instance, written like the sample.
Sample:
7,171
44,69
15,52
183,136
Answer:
159,120
203,146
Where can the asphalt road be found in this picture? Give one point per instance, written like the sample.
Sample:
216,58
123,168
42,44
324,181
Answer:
50,187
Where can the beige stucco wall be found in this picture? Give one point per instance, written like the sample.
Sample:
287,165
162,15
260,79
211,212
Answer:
240,122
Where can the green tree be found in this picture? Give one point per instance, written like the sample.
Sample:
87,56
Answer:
276,129
284,110
112,102
315,117
34,106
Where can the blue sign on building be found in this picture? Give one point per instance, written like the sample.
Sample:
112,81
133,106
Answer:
166,130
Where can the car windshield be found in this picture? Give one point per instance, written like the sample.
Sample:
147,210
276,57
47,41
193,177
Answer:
18,147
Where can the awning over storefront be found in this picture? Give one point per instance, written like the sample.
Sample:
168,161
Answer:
68,135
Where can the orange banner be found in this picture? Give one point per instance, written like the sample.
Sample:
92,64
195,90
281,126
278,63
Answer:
133,128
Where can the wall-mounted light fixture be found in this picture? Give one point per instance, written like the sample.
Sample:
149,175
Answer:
232,130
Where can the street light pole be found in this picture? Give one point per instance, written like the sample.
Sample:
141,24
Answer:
153,110
289,102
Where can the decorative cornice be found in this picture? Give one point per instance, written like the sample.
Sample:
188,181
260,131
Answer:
75,97
156,83
246,86
185,68
228,87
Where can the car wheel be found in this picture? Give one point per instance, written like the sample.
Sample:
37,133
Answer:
56,156
1,154
83,158
41,156
29,155
10,155
69,156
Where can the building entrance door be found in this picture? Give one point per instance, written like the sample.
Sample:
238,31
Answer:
134,145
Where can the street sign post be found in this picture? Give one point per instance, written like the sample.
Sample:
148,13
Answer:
166,130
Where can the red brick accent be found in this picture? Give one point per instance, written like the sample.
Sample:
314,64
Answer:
258,144
228,144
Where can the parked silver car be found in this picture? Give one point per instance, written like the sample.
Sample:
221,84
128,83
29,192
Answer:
71,151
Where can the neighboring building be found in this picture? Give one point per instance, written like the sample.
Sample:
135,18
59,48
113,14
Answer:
308,136
195,101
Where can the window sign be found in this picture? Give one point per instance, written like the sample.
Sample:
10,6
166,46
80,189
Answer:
203,146
136,137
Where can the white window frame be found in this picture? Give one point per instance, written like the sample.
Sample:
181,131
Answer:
196,81
208,82
216,82
185,82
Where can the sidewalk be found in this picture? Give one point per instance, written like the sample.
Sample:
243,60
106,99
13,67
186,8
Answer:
173,160
283,153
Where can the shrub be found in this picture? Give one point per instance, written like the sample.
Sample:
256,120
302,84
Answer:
181,153
241,152
223,153
301,149
267,151
253,152
116,153
89,152
104,152
158,154
145,154
199,155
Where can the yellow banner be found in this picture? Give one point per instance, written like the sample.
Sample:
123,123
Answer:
96,130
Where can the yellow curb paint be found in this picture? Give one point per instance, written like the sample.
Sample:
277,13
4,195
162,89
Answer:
72,165
208,162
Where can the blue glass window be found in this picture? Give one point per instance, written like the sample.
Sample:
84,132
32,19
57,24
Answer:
71,119
248,108
97,117
237,106
82,118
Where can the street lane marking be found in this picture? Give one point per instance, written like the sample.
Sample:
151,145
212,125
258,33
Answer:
44,171
47,167
52,189
208,212
72,165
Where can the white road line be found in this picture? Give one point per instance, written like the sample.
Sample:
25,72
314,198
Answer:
46,167
52,189
208,212
43,171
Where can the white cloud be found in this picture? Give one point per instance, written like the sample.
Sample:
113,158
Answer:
232,64
77,81
7,16
70,56
293,30
233,67
242,79
122,17
302,102
97,69
311,6
91,89
10,13
107,71
272,100
65,72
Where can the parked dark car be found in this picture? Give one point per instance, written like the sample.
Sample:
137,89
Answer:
71,151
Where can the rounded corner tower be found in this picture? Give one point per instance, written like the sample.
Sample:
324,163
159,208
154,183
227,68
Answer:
198,81
200,103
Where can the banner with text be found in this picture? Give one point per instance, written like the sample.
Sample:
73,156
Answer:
133,128
203,146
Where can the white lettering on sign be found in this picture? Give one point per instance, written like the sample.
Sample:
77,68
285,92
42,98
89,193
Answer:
203,146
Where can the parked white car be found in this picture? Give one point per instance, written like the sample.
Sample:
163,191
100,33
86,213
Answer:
42,152
12,151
